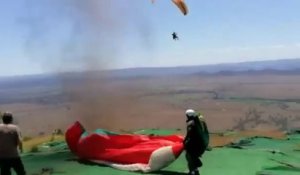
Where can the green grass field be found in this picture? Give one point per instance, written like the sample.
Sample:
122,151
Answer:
260,156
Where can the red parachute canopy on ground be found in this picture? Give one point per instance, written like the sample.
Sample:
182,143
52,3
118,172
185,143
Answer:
129,152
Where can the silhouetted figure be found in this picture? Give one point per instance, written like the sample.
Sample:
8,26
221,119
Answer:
196,140
174,35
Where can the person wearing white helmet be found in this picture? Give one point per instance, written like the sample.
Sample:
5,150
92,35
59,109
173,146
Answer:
196,140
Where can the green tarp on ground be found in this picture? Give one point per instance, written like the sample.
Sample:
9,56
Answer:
264,157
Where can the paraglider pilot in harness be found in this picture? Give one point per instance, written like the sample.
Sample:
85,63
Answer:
174,35
196,140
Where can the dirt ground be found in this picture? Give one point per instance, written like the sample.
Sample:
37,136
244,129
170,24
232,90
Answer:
259,103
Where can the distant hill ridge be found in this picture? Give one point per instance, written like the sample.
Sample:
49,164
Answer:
289,66
46,88
282,66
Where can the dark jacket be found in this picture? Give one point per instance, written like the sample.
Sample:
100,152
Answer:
197,138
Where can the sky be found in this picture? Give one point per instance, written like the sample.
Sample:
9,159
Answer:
42,36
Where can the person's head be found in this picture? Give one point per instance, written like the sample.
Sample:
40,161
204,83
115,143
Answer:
190,113
7,118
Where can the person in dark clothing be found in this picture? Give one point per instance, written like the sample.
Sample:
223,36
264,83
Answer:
175,36
196,140
10,140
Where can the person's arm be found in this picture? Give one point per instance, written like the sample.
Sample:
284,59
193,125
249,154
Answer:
188,131
20,146
20,142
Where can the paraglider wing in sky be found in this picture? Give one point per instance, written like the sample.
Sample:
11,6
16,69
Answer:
129,152
181,5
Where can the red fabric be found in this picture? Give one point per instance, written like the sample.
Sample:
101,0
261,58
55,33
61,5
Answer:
123,149
177,150
73,134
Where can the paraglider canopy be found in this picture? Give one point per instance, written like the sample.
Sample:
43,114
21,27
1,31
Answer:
181,5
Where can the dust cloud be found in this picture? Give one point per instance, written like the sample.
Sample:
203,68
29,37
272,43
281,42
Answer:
87,36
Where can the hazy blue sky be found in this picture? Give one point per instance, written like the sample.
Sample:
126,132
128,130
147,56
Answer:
61,35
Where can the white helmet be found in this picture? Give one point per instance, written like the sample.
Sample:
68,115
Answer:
190,113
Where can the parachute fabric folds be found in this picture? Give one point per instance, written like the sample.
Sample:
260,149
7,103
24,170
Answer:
131,152
181,5
74,134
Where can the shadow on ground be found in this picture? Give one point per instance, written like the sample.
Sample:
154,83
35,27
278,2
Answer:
167,172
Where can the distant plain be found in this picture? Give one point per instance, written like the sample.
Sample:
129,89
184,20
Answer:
258,100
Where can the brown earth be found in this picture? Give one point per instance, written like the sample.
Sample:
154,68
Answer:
261,103
217,140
